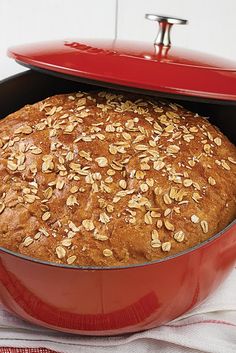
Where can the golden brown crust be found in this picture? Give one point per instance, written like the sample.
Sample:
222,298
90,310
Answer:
105,179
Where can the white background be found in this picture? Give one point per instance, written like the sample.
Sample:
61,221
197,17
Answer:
212,23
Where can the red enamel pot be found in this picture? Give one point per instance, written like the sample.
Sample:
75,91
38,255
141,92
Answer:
109,301
118,300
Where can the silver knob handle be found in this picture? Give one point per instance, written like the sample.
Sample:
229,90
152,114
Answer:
165,25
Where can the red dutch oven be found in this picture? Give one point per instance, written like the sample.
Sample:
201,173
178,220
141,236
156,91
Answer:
117,300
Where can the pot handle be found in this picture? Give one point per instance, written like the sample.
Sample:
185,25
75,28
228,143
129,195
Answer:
165,25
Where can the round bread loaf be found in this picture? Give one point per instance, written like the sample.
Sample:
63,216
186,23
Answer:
104,179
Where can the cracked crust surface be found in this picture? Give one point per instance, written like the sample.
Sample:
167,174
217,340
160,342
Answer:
110,179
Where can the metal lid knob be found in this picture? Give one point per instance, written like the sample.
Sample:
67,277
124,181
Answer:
165,25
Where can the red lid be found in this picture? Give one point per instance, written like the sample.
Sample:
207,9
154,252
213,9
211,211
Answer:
156,67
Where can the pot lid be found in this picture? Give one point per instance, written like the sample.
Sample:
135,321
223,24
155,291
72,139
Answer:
158,66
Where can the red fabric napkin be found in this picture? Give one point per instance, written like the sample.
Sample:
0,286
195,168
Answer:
25,350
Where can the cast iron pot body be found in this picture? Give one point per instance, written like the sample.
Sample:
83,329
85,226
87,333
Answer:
110,301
